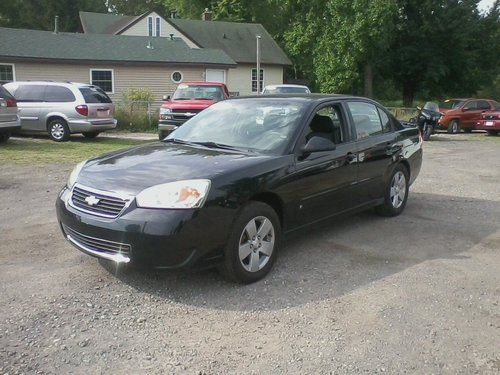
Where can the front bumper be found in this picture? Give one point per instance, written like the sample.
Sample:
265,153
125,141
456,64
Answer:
168,126
80,126
158,238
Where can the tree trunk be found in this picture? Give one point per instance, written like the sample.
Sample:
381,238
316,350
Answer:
408,94
368,80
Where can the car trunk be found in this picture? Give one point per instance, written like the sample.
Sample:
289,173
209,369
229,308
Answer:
100,108
8,106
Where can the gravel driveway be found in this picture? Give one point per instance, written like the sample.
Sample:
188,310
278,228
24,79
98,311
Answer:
418,293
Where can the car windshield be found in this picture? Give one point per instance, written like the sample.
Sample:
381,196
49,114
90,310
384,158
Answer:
198,92
431,106
451,104
286,90
259,125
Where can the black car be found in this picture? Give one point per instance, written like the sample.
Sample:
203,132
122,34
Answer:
226,186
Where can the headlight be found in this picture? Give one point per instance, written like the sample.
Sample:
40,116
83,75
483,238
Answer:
74,174
175,195
165,111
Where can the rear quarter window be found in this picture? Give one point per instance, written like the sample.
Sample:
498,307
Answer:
58,94
94,95
4,94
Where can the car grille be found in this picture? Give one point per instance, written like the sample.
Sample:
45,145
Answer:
106,206
184,114
96,244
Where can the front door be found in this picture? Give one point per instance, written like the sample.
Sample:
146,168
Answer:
324,181
216,75
471,113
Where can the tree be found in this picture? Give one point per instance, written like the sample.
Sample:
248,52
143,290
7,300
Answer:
40,14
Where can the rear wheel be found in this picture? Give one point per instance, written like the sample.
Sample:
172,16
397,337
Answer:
253,244
58,130
4,137
90,135
492,132
454,127
396,193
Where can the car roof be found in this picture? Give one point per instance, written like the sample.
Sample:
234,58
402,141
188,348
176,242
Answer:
52,83
286,85
203,83
304,97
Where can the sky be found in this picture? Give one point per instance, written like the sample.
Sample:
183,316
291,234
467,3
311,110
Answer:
485,4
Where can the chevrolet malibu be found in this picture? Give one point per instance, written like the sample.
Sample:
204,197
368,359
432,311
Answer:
225,188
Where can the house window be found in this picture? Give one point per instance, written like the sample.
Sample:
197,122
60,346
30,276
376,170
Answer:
176,77
6,73
254,79
103,78
158,26
150,26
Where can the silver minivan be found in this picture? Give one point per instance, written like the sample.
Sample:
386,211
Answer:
61,109
9,119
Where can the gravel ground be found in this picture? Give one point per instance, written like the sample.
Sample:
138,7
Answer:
418,293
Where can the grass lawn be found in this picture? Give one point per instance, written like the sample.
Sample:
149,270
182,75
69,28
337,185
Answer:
41,151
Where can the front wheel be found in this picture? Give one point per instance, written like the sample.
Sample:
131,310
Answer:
58,130
396,193
253,244
4,137
90,135
454,127
427,132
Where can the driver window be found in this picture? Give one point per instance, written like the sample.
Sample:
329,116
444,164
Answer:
470,106
328,123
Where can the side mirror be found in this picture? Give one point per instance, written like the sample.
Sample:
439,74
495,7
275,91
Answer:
419,108
318,144
166,98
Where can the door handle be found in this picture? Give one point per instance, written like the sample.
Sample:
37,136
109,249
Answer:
351,157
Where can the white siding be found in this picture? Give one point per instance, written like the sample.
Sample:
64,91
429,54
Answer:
154,78
239,79
141,29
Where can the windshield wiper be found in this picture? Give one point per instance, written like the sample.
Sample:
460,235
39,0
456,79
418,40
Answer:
211,144
203,99
177,140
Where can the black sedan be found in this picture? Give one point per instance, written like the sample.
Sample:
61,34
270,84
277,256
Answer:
226,186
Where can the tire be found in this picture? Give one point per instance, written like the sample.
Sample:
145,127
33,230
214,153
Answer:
4,137
245,260
492,132
161,136
394,201
427,132
454,127
58,130
468,130
90,135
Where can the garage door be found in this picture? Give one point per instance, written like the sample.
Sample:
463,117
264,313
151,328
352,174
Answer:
216,75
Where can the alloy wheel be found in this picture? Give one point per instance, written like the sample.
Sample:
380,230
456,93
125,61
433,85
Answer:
256,244
57,130
398,189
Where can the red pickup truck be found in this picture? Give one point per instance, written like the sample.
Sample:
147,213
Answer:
188,100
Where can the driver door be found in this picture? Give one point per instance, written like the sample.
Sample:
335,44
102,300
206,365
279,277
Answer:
324,181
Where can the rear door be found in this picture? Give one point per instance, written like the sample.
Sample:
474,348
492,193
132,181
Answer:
8,113
101,108
29,99
471,113
376,146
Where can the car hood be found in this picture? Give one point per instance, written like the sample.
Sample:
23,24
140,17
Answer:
132,170
188,104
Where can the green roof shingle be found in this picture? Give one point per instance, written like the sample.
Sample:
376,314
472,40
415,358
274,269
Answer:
102,23
234,38
36,44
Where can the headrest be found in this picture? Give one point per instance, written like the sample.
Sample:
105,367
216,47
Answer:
361,120
321,124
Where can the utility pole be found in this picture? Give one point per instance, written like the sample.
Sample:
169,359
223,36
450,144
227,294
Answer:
259,89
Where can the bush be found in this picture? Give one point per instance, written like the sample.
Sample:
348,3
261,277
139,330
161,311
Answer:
134,120
138,95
